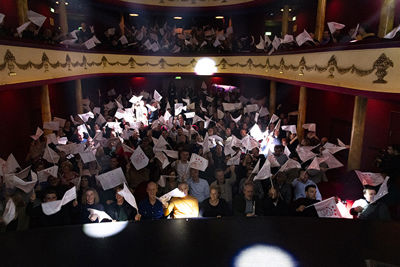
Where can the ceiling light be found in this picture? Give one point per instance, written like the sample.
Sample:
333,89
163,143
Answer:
294,18
281,9
177,17
219,17
134,15
268,33
66,3
51,10
178,78
57,2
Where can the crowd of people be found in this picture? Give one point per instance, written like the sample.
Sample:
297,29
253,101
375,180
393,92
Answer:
170,39
172,154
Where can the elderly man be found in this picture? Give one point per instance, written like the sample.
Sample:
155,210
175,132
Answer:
198,187
182,207
245,205
151,208
300,184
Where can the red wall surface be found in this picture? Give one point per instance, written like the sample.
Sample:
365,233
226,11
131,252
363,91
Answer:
344,11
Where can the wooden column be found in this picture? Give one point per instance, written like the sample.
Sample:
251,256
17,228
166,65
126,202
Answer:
285,20
78,96
62,15
22,10
357,133
320,22
387,17
301,119
272,97
45,105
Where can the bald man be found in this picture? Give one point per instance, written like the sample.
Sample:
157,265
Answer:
151,208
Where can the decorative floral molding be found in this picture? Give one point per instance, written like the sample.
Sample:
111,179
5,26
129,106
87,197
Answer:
371,70
381,65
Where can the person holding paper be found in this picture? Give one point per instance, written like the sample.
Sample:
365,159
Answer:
120,210
90,200
151,208
303,206
39,219
367,209
214,206
182,207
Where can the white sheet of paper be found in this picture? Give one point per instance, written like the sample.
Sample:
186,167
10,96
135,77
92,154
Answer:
44,174
2,16
189,115
369,178
36,18
24,173
139,159
157,96
9,213
87,157
50,155
173,193
11,165
51,125
265,172
85,117
198,162
127,194
100,214
111,179
38,133
310,127
52,207
235,160
289,128
290,164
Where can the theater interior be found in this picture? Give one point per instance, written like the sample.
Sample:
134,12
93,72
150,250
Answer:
342,79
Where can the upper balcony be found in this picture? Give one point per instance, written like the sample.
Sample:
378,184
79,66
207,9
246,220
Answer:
352,68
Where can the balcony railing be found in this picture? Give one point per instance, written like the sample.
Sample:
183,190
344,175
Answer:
368,67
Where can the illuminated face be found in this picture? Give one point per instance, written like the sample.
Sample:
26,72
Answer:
210,132
311,193
118,197
152,190
50,197
248,192
84,182
243,133
214,194
369,194
184,188
228,132
90,197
